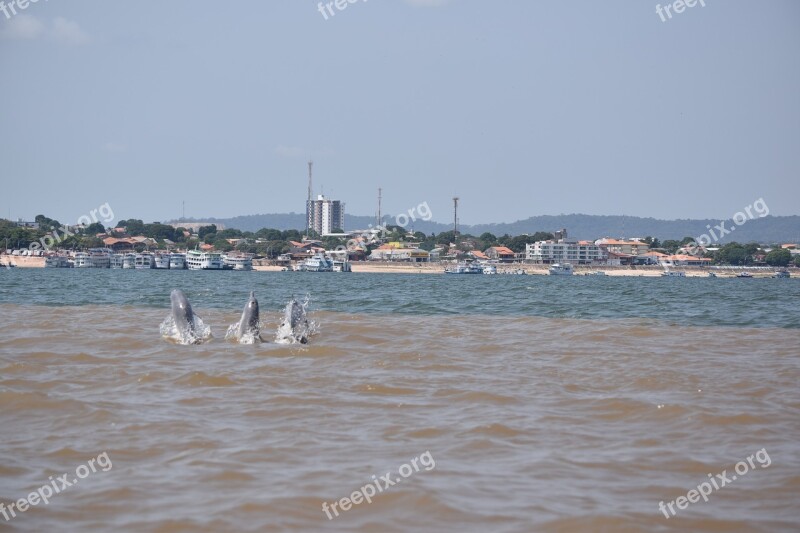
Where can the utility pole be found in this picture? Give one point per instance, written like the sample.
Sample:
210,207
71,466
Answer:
455,218
379,206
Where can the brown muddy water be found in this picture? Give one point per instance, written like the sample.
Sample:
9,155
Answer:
529,424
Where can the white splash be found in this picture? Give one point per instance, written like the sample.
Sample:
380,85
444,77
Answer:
199,334
303,329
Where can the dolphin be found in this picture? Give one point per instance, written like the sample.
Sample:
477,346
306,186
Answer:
182,313
248,326
186,327
295,323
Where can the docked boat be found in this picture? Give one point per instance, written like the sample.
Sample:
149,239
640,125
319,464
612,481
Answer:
597,273
117,260
318,263
144,261
199,260
56,261
342,266
712,275
100,257
129,261
673,274
238,261
177,261
782,274
561,269
745,275
82,260
490,269
464,268
161,261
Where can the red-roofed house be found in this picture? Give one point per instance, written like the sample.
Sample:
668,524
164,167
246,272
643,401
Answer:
500,253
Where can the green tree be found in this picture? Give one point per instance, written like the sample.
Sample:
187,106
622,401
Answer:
779,257
488,239
94,229
205,230
733,254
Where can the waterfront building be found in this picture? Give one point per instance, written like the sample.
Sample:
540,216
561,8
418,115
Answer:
563,251
325,215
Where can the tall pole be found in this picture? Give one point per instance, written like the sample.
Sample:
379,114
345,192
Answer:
308,202
379,206
455,218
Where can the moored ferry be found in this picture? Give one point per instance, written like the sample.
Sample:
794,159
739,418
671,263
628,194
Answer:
129,261
82,260
318,263
117,260
57,261
177,261
238,261
199,260
162,261
144,261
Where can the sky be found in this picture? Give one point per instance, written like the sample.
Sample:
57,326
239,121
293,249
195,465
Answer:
518,107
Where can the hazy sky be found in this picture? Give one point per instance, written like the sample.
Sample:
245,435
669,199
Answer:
519,107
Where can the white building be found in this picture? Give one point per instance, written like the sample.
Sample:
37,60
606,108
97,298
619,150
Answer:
575,252
325,215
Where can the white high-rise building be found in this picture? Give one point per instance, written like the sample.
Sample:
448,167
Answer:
325,215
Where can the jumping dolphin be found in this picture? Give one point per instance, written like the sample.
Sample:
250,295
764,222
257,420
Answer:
295,326
183,325
247,330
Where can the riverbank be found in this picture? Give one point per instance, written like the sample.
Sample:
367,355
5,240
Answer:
534,270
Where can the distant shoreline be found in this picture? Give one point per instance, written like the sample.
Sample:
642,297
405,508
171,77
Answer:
438,268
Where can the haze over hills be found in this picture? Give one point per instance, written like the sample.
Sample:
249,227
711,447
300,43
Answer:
769,229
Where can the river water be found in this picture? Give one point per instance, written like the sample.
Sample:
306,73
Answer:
528,403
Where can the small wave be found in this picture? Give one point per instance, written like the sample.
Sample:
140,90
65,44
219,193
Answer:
201,379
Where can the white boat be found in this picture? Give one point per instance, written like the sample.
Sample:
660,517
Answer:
597,273
177,261
100,257
56,261
129,261
561,269
342,266
117,260
144,261
673,274
464,268
199,260
318,263
782,274
746,275
82,260
238,261
712,275
162,261
490,269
